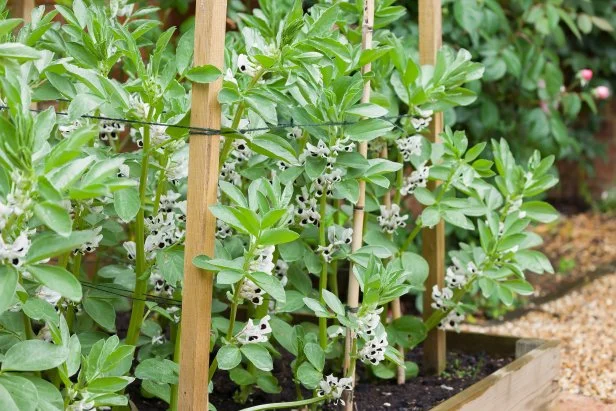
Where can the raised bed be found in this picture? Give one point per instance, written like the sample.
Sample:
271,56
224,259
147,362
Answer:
528,383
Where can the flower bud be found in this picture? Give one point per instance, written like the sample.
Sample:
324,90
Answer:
601,92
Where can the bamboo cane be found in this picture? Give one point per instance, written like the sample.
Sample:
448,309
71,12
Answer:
358,211
201,224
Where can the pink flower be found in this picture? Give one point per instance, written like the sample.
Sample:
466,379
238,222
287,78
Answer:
601,92
585,74
544,107
541,83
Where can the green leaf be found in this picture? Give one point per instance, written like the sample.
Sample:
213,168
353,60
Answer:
229,357
49,398
101,311
18,52
273,146
369,129
540,211
158,370
22,392
309,376
126,203
333,302
270,284
58,279
55,217
424,196
521,287
40,310
170,262
7,25
241,377
369,110
49,245
203,74
109,384
316,355
34,355
275,236
8,285
259,356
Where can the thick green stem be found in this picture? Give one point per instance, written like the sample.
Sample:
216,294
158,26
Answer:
323,278
176,332
282,405
136,317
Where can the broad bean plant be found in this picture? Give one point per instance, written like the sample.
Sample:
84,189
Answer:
93,148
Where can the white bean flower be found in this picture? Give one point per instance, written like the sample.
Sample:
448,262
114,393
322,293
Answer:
390,218
223,230
245,66
263,260
67,129
418,178
441,299
251,292
252,334
369,322
334,388
410,146
131,249
49,295
452,321
92,245
373,351
110,130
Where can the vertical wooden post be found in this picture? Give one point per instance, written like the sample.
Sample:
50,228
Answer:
430,41
358,210
201,224
21,9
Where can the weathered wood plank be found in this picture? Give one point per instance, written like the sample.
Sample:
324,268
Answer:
529,383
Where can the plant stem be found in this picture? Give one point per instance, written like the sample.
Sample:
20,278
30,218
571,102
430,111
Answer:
141,284
281,405
323,278
226,148
173,403
234,304
411,236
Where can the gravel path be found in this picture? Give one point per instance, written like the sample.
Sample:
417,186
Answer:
585,323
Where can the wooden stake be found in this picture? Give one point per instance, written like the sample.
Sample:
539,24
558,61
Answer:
201,224
430,41
21,9
358,211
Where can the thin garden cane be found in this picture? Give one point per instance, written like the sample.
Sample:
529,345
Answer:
201,224
350,348
433,238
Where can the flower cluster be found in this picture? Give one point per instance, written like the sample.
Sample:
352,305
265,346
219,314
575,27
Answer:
307,209
418,178
14,253
452,320
373,351
423,120
390,218
18,200
441,299
92,245
255,333
368,323
455,277
109,130
410,146
334,388
337,237
67,129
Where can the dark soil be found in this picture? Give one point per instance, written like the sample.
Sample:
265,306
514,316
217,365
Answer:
420,393
427,391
